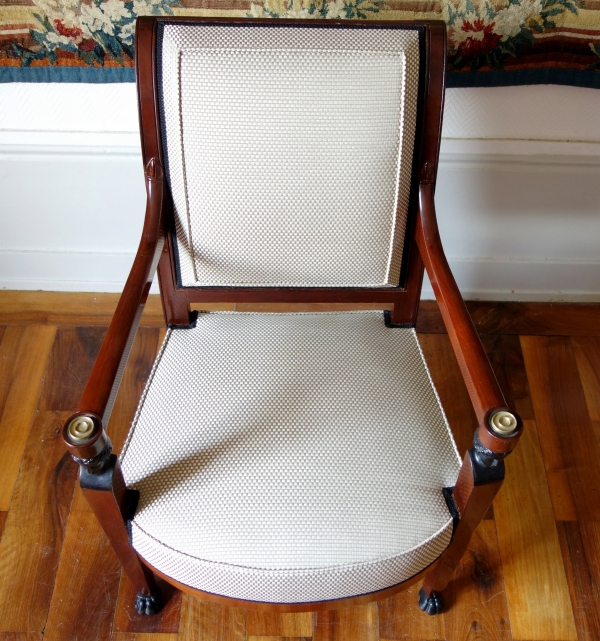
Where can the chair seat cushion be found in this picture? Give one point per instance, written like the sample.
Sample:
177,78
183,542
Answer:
290,457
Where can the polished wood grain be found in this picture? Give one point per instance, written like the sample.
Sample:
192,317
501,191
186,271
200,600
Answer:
73,355
205,621
580,544
536,585
360,623
24,353
587,354
3,516
35,527
401,618
275,624
544,601
519,318
125,636
567,436
87,583
476,598
69,308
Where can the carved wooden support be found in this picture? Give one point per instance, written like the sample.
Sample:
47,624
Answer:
476,487
110,501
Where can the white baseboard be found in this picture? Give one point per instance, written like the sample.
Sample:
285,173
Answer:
478,279
520,220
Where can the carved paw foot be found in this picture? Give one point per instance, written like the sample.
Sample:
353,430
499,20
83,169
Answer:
145,604
432,604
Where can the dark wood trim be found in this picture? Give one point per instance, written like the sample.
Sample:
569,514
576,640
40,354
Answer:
313,606
107,496
483,388
105,377
473,498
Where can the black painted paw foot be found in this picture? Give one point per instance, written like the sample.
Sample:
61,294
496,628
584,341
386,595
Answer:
145,604
432,604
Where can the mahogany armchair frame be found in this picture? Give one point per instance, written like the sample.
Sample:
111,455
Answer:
84,433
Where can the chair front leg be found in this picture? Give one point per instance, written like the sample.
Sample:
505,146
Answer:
101,480
478,482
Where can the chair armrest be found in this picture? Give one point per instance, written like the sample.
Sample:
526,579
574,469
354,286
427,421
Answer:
483,388
88,439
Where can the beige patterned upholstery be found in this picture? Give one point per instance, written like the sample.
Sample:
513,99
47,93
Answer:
290,457
289,151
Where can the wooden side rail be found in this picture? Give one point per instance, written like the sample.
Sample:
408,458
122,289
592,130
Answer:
483,388
86,438
84,435
482,470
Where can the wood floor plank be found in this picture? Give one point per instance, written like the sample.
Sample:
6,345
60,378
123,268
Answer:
21,636
87,583
360,623
536,586
566,432
514,318
253,638
451,388
73,355
205,621
2,328
274,624
129,636
24,353
524,516
476,606
69,308
3,516
128,620
580,543
401,618
587,353
35,527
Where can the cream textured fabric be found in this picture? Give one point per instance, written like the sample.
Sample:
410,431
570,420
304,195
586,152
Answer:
289,152
290,457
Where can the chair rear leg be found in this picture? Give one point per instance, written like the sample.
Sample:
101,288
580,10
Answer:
478,482
111,502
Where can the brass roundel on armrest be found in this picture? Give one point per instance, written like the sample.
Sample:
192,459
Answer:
81,429
503,423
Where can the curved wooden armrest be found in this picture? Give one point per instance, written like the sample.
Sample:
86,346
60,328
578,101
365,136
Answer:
483,388
101,389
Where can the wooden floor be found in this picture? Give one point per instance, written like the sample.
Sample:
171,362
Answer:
533,568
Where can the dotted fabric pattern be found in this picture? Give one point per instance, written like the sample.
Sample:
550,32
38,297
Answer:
289,152
290,457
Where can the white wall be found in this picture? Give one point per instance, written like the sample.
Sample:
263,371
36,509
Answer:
518,198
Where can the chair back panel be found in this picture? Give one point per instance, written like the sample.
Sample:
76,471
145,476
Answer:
288,151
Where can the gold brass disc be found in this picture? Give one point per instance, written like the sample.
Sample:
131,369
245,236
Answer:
503,422
81,428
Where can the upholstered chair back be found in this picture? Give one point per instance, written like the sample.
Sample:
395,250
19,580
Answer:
288,151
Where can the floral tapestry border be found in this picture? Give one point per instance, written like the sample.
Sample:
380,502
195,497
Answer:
491,43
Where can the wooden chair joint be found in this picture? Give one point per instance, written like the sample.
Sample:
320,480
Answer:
87,442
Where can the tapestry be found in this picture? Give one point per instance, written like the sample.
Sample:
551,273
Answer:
490,42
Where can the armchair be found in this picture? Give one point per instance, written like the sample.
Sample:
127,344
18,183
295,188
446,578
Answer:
290,461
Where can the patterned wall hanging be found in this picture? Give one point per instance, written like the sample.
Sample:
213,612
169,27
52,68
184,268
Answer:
491,42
